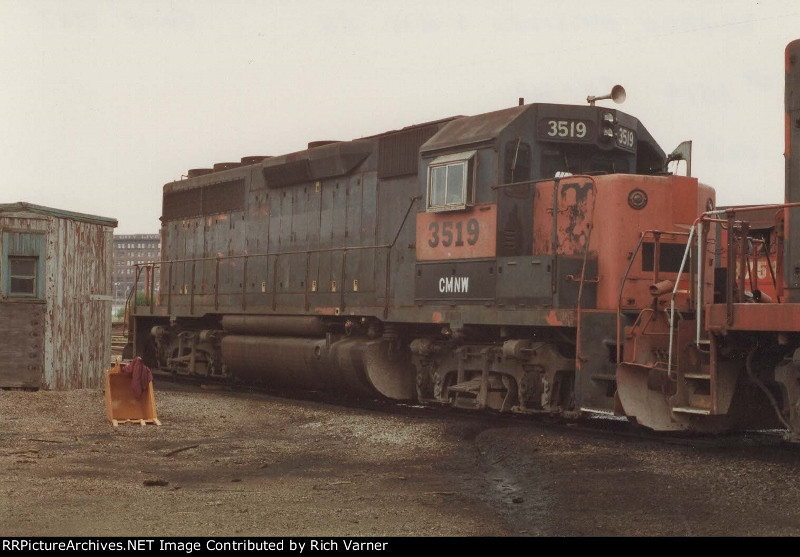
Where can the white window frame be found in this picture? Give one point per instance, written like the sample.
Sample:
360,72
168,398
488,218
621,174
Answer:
467,160
16,274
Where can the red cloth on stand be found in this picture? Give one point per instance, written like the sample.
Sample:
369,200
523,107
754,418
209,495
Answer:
141,376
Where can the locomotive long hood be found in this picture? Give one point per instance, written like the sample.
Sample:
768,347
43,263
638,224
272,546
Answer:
318,163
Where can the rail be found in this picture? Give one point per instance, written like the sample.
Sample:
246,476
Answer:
738,241
736,267
699,294
150,268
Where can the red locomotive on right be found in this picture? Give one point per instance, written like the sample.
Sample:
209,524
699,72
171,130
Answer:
736,364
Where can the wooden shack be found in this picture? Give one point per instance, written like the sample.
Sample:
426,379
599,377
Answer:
55,297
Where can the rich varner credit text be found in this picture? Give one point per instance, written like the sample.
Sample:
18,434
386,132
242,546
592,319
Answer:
190,546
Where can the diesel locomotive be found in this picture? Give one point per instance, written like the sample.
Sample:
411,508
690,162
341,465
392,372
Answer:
537,259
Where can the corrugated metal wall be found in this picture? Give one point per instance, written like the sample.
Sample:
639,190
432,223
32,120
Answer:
78,295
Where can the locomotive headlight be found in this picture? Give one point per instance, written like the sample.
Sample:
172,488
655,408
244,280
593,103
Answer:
637,199
607,122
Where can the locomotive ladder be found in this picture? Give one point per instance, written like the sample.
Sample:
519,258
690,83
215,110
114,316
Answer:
693,372
698,368
654,332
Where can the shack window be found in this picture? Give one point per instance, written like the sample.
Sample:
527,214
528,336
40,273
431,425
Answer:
22,272
450,181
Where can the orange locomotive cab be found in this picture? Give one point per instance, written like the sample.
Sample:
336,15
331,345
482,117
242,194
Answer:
629,235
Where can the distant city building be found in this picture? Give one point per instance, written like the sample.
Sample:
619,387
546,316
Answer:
130,250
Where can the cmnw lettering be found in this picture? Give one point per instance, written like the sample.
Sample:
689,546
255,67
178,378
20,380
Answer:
453,284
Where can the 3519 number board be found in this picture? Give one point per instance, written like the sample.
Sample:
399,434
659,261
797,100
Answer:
465,234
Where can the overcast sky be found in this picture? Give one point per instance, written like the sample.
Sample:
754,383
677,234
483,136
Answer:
102,102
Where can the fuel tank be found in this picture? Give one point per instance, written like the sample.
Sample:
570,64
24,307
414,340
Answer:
354,366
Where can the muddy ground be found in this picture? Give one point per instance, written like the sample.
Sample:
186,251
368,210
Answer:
229,463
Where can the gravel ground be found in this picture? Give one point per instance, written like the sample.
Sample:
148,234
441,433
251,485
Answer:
242,464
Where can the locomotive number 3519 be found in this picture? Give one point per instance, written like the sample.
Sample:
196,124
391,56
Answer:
566,128
453,233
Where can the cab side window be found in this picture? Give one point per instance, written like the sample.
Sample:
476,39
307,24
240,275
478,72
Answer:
451,182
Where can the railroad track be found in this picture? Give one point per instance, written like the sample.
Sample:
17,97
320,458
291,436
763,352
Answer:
592,427
118,339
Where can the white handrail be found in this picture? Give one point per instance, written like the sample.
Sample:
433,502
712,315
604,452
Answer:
674,292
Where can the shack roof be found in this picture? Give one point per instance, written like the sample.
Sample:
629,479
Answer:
22,207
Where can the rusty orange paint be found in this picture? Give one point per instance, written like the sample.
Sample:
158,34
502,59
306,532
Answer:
557,318
685,202
578,213
543,219
466,234
436,317
758,275
575,208
210,221
753,317
574,200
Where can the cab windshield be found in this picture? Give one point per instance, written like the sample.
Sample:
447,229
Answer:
568,161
